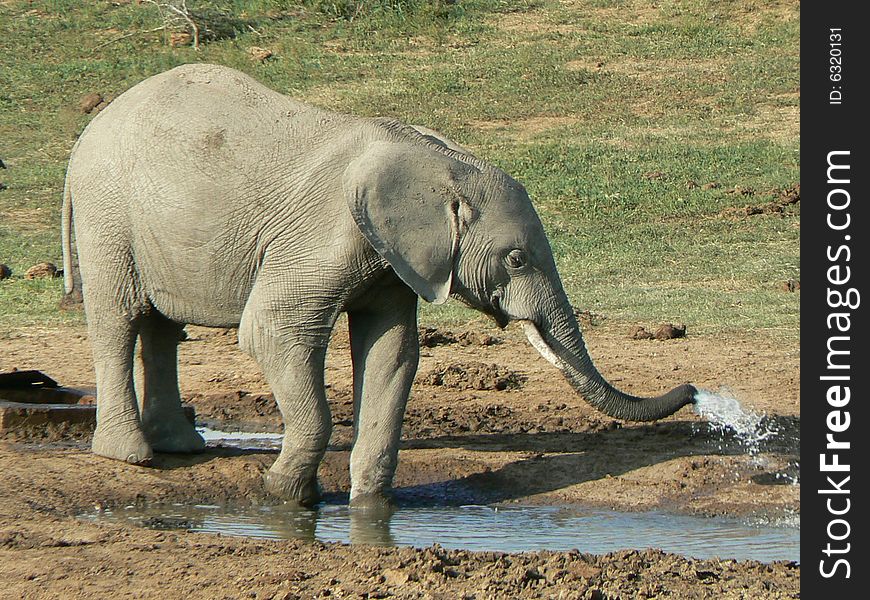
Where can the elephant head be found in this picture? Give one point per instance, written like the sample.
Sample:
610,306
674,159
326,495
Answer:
451,225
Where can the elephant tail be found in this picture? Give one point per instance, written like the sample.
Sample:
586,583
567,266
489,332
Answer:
72,296
66,235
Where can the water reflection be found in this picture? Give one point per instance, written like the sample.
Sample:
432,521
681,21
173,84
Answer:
328,523
372,529
509,529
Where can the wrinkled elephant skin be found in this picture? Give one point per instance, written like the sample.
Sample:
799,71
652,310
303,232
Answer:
200,196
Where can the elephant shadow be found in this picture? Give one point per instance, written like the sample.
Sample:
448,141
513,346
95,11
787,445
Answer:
555,460
170,462
559,460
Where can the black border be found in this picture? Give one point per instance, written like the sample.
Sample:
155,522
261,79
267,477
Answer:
827,127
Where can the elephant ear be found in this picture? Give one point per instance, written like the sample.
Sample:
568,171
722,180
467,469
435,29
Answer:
407,203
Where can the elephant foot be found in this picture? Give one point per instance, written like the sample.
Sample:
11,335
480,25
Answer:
175,436
129,447
373,502
304,492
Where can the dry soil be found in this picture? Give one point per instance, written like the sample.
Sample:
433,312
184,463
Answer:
489,421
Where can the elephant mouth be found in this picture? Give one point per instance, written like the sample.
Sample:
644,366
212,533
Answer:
500,320
497,313
491,310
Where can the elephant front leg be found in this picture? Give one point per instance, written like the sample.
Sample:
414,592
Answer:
385,351
299,390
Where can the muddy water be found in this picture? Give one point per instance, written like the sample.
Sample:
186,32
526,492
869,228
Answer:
507,529
241,439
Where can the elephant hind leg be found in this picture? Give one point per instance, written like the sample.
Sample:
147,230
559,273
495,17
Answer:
114,306
119,432
163,420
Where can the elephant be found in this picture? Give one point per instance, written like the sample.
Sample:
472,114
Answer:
200,196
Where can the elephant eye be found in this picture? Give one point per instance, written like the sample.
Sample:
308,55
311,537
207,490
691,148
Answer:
516,259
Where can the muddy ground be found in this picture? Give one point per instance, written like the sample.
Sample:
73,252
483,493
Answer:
488,421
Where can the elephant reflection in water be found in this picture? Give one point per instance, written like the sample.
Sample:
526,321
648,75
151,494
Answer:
367,527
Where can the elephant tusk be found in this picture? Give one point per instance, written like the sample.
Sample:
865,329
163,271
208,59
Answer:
537,341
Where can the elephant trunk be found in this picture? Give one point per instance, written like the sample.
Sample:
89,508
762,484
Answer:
561,343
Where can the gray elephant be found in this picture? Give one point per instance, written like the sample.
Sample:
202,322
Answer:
200,196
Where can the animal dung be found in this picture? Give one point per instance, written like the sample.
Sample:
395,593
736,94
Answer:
638,332
472,376
41,270
259,54
180,38
89,102
667,331
789,285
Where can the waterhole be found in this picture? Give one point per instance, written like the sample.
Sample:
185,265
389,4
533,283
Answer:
483,528
498,528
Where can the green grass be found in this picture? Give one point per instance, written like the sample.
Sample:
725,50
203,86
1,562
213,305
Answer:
581,101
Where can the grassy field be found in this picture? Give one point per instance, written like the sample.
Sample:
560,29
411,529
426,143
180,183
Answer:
635,127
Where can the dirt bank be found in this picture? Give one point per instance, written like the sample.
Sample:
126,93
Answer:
488,421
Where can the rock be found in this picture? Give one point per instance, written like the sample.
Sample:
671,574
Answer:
395,577
89,102
580,569
23,416
669,331
704,574
5,271
44,269
710,186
